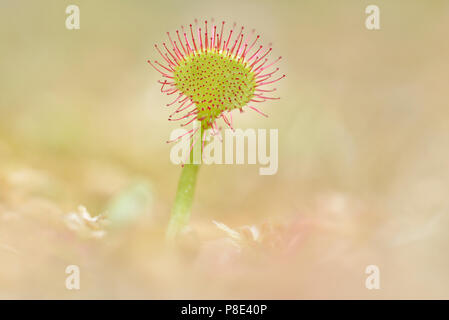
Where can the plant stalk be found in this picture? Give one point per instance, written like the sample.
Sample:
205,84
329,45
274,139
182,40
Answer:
180,214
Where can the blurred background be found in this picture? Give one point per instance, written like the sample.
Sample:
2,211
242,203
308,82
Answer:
363,179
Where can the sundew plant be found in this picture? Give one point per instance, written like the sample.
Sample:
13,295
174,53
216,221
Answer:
210,73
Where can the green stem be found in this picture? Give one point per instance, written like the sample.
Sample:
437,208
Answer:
183,202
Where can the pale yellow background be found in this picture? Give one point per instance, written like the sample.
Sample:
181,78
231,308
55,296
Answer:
363,155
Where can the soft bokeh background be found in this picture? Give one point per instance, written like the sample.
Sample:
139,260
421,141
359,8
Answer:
363,155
